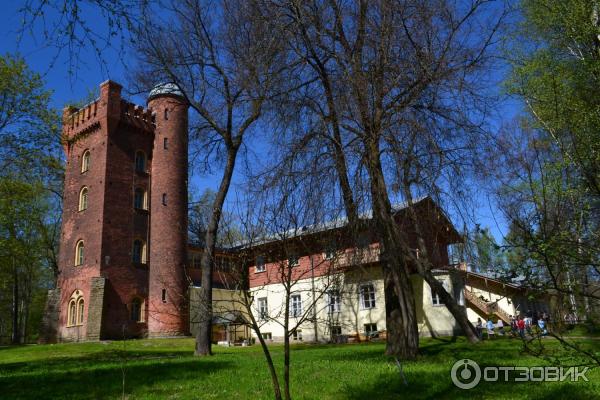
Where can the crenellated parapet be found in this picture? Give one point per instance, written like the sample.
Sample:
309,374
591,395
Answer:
137,116
109,109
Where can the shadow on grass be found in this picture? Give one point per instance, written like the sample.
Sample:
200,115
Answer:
101,377
439,386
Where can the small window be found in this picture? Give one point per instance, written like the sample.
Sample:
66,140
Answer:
263,311
164,295
363,240
166,113
335,304
330,251
139,252
197,261
371,330
296,306
293,261
297,335
367,296
85,161
164,199
436,299
79,253
165,143
267,335
140,199
83,198
137,310
140,161
336,330
260,264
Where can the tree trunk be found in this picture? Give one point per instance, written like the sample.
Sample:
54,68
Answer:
458,312
16,332
393,262
204,336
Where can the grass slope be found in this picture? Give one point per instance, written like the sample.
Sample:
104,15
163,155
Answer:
165,369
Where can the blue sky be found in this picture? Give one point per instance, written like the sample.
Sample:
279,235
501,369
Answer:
73,85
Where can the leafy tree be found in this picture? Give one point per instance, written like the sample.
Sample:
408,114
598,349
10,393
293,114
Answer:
30,172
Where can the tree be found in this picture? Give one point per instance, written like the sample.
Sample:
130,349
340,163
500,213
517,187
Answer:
396,107
549,191
225,57
30,174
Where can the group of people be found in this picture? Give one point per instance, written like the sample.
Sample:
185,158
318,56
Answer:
532,324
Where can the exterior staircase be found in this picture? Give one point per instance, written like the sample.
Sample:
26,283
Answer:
486,308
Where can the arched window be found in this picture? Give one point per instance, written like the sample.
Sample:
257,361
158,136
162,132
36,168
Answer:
137,310
140,161
140,199
80,308
75,311
79,253
139,251
71,319
83,198
85,161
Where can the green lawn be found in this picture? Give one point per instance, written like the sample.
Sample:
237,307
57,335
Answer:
159,369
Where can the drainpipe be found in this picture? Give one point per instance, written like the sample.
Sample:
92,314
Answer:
314,302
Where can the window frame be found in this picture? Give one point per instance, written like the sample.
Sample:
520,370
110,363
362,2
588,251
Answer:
293,260
139,305
79,252
436,300
262,306
372,299
143,253
335,306
83,198
75,309
296,305
144,198
370,325
260,265
142,169
85,161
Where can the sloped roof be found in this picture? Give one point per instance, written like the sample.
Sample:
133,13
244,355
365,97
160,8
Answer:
331,225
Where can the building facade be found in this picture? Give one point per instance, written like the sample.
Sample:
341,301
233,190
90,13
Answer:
123,244
127,270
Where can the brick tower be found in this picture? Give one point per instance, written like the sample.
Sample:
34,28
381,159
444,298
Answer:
124,228
168,314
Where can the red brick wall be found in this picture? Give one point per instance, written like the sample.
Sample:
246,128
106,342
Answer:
168,222
109,225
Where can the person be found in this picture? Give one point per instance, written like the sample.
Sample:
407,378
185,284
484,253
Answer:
513,326
528,324
490,328
521,326
542,326
479,329
500,325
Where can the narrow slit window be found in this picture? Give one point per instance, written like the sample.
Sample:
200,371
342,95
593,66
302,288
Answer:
166,113
165,143
164,199
164,295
